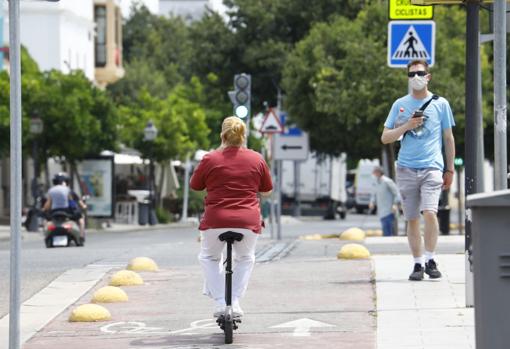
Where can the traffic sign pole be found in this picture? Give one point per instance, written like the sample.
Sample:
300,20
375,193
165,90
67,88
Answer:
273,176
472,142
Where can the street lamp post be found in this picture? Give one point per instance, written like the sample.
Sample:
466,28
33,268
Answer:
150,134
36,128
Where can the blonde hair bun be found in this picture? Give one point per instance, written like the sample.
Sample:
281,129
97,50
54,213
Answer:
233,131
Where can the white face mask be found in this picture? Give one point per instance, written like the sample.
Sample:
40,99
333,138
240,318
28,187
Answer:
418,83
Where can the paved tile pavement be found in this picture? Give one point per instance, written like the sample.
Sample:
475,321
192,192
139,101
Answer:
430,314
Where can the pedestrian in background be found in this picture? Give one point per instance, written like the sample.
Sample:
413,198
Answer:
233,176
385,195
423,123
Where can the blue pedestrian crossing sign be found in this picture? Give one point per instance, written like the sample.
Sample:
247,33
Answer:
410,40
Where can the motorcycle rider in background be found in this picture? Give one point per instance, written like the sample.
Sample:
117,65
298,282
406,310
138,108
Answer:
62,198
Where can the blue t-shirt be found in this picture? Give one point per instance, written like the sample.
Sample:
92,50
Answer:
421,148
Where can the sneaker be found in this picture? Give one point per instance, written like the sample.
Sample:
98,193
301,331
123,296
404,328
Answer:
417,274
431,269
219,308
236,310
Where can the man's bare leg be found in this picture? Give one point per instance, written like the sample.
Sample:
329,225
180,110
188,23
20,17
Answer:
414,237
431,230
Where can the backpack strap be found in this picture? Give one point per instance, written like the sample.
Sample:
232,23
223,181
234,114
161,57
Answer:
426,104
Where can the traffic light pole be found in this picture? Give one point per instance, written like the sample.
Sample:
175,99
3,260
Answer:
473,146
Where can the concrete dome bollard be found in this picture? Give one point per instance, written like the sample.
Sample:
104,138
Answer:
354,234
142,264
373,232
89,313
353,251
109,294
126,278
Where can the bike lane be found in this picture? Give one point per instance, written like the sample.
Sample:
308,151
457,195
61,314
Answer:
303,301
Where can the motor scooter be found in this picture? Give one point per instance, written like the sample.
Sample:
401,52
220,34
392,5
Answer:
61,230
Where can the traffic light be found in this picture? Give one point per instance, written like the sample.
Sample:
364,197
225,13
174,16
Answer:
241,96
458,162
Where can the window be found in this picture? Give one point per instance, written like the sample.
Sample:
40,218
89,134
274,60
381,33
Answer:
101,31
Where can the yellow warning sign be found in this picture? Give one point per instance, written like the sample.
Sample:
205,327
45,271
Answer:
404,9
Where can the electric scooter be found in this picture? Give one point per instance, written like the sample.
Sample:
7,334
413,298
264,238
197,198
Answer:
227,321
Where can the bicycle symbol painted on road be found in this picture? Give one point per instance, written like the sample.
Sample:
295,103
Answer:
140,328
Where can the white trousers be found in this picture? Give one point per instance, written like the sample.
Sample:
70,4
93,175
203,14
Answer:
211,259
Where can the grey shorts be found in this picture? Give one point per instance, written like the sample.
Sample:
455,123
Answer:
420,190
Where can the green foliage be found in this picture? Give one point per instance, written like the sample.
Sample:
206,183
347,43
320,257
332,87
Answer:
266,31
163,215
79,120
180,121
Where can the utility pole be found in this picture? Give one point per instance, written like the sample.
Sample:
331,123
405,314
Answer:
500,104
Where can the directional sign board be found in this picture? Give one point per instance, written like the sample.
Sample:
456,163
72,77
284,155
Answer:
291,147
404,9
271,123
410,40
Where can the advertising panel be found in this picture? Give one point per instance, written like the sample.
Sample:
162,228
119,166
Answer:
96,181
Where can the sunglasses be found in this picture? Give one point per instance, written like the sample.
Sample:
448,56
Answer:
411,74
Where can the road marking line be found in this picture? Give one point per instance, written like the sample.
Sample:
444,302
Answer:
302,326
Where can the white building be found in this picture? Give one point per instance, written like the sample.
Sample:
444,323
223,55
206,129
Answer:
73,35
57,35
189,9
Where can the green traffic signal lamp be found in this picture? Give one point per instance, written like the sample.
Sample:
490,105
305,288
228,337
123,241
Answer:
458,162
241,96
241,111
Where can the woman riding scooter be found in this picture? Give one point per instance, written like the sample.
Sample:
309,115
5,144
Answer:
233,177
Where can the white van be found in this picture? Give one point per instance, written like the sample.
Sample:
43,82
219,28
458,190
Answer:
322,186
363,183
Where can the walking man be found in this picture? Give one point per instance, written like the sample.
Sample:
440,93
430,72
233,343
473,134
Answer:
423,122
385,194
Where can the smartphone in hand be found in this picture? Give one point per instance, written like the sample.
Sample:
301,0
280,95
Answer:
418,114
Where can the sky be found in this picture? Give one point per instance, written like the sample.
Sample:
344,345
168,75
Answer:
153,6
125,5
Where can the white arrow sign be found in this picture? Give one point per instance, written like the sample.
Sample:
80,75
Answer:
302,326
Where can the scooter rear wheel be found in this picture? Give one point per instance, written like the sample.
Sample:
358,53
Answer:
229,331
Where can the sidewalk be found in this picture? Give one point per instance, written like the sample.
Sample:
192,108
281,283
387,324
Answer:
5,230
429,314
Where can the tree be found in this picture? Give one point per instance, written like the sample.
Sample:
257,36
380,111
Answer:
79,119
180,121
267,30
30,82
